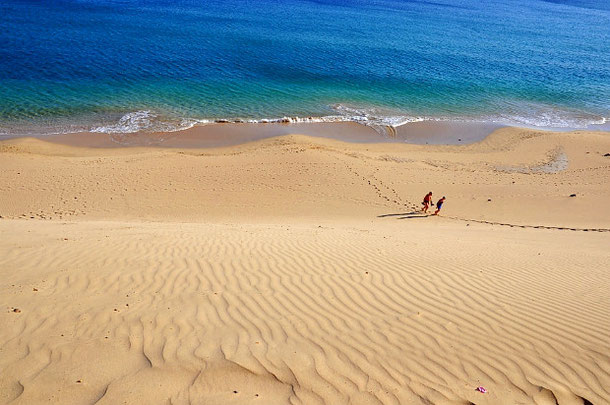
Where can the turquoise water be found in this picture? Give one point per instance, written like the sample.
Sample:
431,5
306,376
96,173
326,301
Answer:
144,65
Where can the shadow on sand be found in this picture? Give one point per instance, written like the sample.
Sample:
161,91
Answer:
406,215
415,216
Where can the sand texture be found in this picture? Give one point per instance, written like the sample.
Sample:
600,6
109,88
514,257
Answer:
296,270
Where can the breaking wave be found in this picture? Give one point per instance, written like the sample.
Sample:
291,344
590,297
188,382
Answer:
146,121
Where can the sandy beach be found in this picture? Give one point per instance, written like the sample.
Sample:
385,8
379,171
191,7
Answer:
297,269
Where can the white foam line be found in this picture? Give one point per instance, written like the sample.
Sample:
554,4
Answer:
381,120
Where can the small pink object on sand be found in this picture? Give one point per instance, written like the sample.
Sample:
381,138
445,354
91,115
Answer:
482,390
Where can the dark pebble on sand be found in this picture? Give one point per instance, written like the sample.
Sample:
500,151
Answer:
607,155
572,195
234,392
16,310
489,199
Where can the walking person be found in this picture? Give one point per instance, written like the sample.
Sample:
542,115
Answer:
427,201
439,204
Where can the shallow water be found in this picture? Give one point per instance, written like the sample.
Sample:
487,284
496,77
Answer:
151,65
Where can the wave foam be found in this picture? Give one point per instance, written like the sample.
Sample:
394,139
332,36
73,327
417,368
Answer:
376,116
383,121
551,119
540,115
146,121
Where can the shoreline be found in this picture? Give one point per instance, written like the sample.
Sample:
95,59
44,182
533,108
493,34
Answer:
231,134
225,133
386,123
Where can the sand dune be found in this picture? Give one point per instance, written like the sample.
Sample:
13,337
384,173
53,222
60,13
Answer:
293,271
300,314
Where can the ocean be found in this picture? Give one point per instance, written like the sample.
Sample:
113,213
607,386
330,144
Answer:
162,65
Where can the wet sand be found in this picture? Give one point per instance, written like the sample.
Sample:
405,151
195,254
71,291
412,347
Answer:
445,133
229,134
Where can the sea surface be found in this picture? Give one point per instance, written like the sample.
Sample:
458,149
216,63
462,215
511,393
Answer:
161,65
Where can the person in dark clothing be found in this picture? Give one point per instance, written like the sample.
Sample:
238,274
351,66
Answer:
439,204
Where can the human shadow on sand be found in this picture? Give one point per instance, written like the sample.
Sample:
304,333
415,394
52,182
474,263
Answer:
399,214
415,216
406,215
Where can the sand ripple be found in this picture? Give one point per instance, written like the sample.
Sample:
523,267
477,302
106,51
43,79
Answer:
277,314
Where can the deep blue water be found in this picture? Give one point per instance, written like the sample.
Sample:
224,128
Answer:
121,65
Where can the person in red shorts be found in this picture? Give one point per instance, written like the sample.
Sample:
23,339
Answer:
439,204
427,201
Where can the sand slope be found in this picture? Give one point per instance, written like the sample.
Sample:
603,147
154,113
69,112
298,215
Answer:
295,271
527,175
187,313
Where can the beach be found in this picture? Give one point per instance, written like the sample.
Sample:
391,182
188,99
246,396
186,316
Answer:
222,202
221,266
